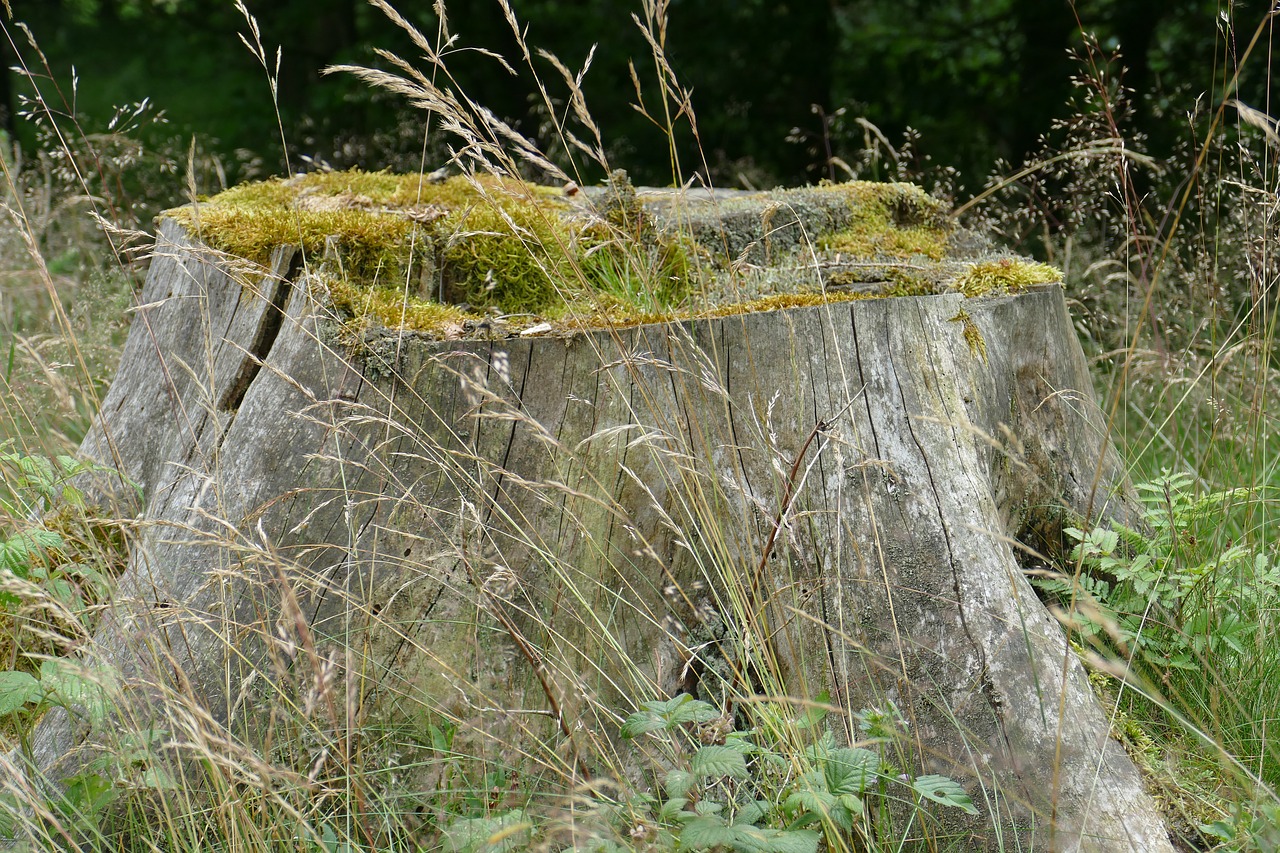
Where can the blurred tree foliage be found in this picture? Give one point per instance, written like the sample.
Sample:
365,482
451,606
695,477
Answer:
980,81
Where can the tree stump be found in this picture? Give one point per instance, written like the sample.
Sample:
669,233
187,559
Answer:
761,506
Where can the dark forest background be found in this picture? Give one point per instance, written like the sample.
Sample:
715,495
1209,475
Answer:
779,86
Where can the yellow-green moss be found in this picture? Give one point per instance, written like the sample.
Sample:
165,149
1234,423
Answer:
905,282
1007,275
972,334
894,220
613,313
399,251
495,242
780,301
388,306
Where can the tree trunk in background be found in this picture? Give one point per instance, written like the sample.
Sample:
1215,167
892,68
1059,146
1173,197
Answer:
426,514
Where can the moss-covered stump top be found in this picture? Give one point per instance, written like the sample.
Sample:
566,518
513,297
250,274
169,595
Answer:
455,256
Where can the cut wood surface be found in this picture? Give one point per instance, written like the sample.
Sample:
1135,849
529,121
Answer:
842,492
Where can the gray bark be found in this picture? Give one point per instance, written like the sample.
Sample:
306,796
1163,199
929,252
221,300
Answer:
433,506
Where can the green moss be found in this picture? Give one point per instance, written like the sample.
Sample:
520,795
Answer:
889,220
906,282
402,252
494,243
622,208
783,300
972,334
613,313
389,306
1006,275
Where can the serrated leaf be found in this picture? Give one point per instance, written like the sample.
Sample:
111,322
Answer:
73,496
706,832
850,771
64,593
23,550
159,779
692,711
677,782
506,832
86,794
718,761
809,800
818,752
74,689
16,690
792,841
816,712
756,840
742,742
667,714
672,808
754,811
851,803
944,791
641,723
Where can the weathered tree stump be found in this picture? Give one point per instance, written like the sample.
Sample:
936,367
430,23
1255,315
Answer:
833,496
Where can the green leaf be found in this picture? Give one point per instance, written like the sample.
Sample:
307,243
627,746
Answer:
706,832
672,808
751,839
1220,829
505,833
86,794
690,710
1108,540
944,791
742,742
810,800
852,804
754,811
73,688
159,779
65,593
642,723
850,771
10,810
817,752
677,782
30,547
754,839
793,841
16,690
657,715
718,761
815,713
881,723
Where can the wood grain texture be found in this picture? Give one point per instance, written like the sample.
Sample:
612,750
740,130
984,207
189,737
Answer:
624,483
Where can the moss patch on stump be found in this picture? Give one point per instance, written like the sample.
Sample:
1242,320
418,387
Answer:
453,257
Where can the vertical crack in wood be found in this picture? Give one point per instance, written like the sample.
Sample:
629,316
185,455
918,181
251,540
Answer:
983,678
862,378
499,476
826,607
268,329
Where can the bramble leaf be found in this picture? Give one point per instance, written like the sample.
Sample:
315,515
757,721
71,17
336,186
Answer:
945,792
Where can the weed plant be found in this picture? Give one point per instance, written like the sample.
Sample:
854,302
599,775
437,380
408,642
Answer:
1173,274
1174,289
